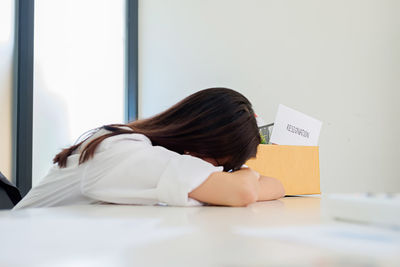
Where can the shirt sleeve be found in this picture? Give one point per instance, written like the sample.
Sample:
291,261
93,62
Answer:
182,175
135,172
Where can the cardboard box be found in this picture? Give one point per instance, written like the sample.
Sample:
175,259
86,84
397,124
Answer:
297,167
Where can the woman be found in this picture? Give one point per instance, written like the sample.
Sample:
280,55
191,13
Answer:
190,154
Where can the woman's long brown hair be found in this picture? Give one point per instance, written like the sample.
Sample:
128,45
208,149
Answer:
212,123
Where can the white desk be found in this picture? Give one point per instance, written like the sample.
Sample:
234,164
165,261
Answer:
287,232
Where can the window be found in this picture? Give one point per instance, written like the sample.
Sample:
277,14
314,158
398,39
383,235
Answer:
77,70
78,73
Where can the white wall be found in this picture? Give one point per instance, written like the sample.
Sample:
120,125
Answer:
338,61
6,82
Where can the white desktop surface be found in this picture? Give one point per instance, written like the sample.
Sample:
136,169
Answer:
288,232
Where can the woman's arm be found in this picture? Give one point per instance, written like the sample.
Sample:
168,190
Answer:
239,188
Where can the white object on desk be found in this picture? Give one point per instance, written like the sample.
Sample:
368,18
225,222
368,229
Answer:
371,208
338,237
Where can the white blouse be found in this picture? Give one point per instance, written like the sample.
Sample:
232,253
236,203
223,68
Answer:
125,169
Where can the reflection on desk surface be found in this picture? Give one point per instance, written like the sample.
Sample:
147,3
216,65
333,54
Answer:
285,232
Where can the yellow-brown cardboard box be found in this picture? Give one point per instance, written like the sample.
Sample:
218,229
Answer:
297,167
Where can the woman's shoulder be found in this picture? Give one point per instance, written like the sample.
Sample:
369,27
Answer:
128,138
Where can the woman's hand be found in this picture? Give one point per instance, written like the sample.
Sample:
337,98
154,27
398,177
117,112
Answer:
267,188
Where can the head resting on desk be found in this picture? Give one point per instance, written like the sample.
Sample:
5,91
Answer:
215,124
